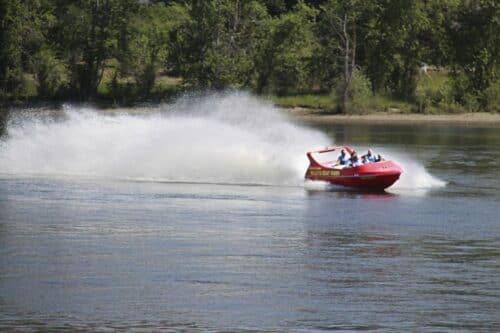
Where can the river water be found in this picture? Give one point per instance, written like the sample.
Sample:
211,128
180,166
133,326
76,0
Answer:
194,217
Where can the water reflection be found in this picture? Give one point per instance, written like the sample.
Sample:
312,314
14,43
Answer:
374,242
78,324
345,192
460,250
368,244
437,282
438,134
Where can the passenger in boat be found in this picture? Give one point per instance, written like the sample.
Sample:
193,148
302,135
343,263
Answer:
343,159
379,158
364,160
354,159
370,156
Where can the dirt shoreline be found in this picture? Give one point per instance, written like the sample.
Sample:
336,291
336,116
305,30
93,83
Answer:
463,119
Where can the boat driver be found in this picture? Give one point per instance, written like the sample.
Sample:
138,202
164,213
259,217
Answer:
343,159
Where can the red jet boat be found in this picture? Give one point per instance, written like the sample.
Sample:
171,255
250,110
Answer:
371,176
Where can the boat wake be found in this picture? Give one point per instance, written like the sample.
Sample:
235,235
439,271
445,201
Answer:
228,138
415,179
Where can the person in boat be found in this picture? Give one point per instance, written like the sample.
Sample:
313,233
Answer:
364,160
379,158
343,159
370,156
354,159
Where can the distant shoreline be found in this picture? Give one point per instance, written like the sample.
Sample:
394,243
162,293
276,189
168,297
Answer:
314,116
462,119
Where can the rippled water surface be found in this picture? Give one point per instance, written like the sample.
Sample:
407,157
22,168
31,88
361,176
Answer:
90,252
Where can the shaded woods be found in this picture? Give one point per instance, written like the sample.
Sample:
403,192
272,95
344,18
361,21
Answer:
355,52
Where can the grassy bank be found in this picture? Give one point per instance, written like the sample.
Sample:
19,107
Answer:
325,104
433,95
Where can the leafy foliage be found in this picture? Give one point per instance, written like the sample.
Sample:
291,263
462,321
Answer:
50,72
11,28
362,51
282,58
148,48
476,57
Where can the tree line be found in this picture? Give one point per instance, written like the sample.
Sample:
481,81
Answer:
349,48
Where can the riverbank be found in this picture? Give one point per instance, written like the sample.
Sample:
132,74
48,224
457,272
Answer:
464,119
310,115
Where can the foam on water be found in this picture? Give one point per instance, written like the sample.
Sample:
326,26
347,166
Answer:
220,138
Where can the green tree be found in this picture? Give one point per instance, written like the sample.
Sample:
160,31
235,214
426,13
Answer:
201,44
338,27
88,34
213,48
284,50
149,42
12,24
50,72
24,29
39,51
394,49
475,39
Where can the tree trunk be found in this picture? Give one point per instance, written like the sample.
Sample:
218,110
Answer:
353,48
347,72
95,52
237,14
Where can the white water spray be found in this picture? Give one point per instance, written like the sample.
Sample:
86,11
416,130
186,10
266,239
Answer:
415,179
230,138
221,138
